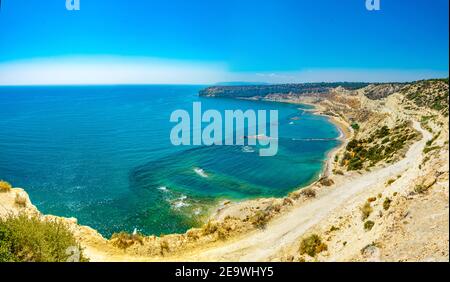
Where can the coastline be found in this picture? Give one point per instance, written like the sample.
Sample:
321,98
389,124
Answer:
220,204
346,132
272,229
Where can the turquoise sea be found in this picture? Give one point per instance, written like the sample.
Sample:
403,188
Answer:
103,154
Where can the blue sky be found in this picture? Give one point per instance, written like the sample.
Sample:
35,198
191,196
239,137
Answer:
206,41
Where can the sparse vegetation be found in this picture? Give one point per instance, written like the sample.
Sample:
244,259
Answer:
312,245
295,195
432,94
369,248
308,193
220,229
210,228
390,181
260,219
426,150
333,228
355,126
384,144
164,245
20,200
368,225
123,240
366,210
387,204
29,239
288,202
420,189
5,186
326,181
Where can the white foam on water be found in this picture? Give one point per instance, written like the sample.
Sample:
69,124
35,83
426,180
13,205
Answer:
200,172
163,188
180,202
248,149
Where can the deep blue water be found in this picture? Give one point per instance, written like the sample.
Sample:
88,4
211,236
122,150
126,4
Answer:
103,154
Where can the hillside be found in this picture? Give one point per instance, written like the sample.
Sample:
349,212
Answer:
264,90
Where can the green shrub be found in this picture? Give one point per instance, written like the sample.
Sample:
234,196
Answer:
355,126
387,204
29,239
333,228
312,245
426,150
368,225
5,186
420,189
390,181
366,210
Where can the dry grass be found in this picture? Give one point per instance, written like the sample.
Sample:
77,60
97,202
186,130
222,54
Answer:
312,245
20,200
326,181
164,245
216,228
387,204
390,181
5,186
371,199
295,195
308,193
260,219
420,189
123,240
366,210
